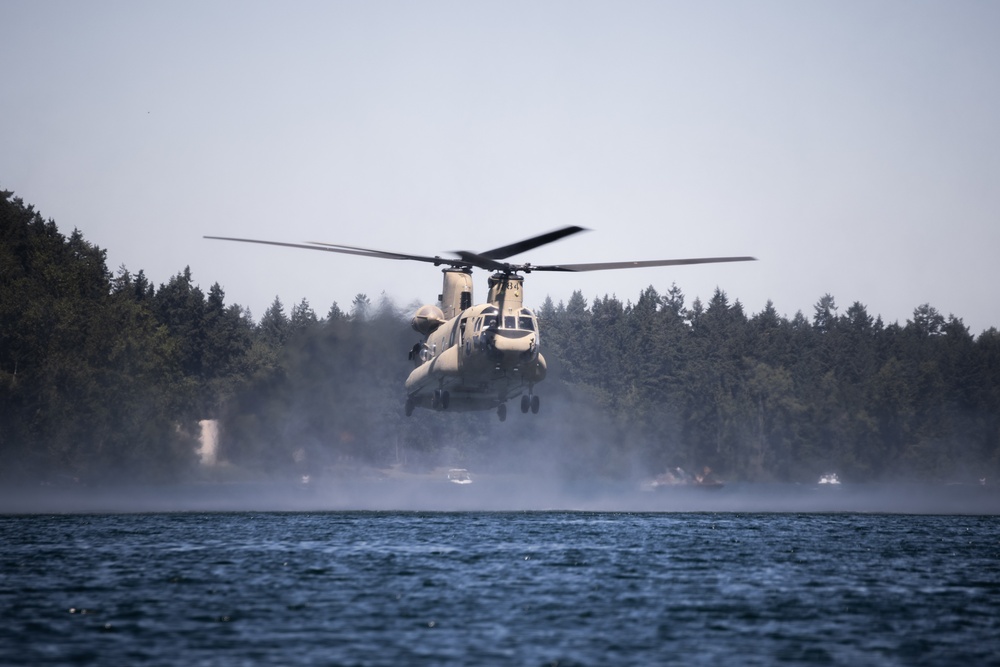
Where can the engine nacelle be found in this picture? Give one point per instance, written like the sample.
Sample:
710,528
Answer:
427,319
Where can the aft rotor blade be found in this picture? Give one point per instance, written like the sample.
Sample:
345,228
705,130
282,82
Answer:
529,244
347,250
603,266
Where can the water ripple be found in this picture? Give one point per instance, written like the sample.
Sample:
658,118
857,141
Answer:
373,588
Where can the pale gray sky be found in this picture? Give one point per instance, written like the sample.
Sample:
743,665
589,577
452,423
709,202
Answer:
853,147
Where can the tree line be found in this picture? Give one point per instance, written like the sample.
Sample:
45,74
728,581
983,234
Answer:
770,398
105,377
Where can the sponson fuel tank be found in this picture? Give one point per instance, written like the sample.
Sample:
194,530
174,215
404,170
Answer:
427,319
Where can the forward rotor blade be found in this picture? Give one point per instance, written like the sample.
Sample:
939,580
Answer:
481,261
348,250
528,244
603,266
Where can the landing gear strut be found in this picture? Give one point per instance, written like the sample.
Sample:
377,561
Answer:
502,411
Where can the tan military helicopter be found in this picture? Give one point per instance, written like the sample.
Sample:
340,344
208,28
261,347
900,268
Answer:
479,357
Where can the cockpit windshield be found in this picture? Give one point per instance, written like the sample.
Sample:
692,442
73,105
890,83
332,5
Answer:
524,320
488,320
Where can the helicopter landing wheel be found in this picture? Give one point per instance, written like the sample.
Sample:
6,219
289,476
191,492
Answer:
440,399
525,403
536,403
502,411
409,406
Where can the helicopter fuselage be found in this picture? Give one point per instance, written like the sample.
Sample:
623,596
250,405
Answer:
481,357
477,361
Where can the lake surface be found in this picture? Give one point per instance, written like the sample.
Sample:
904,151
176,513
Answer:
499,588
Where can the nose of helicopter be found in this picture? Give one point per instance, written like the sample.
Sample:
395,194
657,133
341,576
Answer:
515,346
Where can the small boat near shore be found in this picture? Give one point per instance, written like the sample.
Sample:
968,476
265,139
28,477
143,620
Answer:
678,478
459,476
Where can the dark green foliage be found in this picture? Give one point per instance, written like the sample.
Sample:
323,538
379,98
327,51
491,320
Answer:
91,385
104,377
771,399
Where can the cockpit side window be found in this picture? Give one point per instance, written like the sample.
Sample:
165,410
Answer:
526,320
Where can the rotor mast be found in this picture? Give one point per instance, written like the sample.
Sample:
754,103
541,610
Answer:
507,292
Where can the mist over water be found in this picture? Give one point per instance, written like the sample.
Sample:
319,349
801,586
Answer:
500,493
516,473
547,462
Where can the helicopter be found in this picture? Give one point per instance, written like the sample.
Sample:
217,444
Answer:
478,357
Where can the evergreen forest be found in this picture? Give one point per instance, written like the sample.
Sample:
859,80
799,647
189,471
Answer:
106,378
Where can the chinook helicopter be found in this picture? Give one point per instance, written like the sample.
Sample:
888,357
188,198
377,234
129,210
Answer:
478,357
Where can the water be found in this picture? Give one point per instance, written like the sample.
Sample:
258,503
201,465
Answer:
503,588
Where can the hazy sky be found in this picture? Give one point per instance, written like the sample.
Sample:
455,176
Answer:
854,147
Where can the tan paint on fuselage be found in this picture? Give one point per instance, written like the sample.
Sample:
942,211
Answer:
479,365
